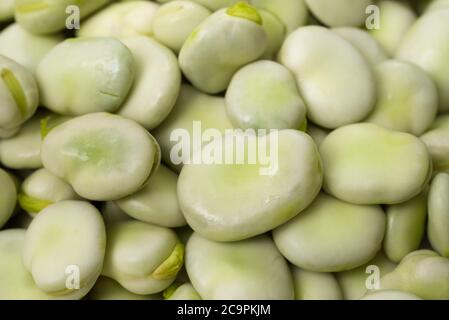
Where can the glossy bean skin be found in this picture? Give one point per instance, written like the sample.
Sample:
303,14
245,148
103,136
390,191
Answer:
234,270
221,213
322,237
370,179
203,57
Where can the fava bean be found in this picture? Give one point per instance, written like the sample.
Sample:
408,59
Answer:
236,270
438,206
103,156
48,249
264,95
176,20
347,99
396,19
41,189
405,227
157,202
367,164
437,142
101,68
19,94
209,58
143,258
311,285
407,99
157,83
423,273
418,46
230,202
331,235
8,197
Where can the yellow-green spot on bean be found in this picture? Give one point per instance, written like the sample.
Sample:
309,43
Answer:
15,89
32,7
45,129
103,148
170,290
31,204
245,11
170,267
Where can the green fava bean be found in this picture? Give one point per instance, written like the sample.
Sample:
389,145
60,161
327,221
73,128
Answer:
6,10
157,82
364,42
41,189
19,95
396,19
176,20
348,99
437,142
407,98
103,156
183,291
209,57
355,282
292,13
235,201
339,13
157,202
438,206
311,285
23,151
264,95
417,47
192,106
120,20
143,258
390,295
8,197
356,170
331,235
237,270
423,273
26,48
107,289
16,283
67,237
405,227
50,16
101,68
